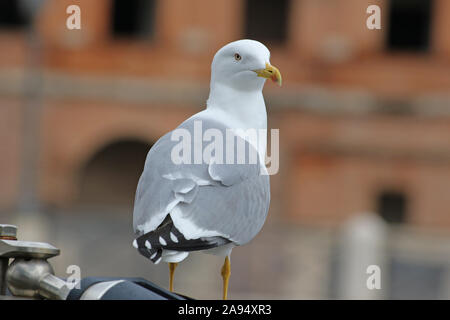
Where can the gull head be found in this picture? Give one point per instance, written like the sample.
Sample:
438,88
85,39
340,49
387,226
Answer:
243,65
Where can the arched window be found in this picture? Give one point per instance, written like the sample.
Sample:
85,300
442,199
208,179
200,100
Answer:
110,177
392,206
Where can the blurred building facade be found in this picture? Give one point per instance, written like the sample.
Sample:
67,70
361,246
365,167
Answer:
364,115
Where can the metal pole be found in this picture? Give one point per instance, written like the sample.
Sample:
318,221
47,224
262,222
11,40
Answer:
363,245
31,115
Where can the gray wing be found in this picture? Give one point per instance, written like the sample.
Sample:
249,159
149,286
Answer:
230,199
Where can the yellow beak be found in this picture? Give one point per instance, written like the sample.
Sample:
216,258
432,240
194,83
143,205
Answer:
270,72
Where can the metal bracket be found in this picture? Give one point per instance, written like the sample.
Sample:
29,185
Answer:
29,275
26,249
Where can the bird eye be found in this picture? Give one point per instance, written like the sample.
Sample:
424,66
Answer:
237,57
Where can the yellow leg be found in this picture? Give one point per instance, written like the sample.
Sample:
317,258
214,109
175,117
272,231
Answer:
172,267
226,270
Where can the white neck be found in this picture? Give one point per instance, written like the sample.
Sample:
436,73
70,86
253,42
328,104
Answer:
238,109
241,109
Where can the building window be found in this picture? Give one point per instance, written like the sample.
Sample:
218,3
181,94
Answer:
133,18
392,206
409,25
267,20
11,15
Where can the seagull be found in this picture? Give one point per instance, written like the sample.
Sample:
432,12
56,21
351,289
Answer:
210,204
